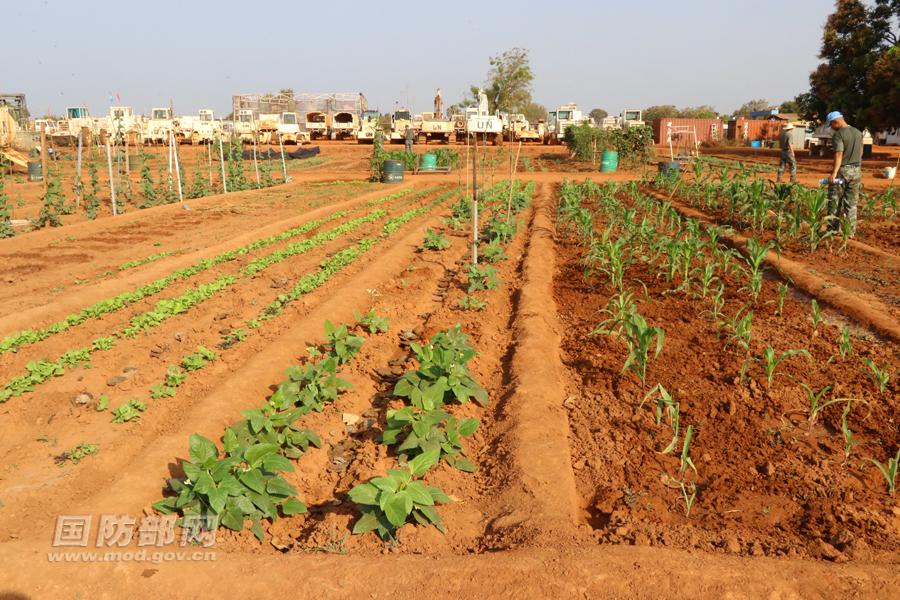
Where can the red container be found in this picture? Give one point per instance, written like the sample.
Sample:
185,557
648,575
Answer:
754,131
704,129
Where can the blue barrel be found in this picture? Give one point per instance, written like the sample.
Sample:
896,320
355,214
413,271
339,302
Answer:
393,171
609,161
756,144
35,173
429,162
669,168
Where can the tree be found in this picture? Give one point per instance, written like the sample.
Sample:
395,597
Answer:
598,114
752,106
789,106
508,84
698,112
534,112
667,111
861,54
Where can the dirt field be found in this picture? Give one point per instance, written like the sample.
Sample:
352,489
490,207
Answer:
574,495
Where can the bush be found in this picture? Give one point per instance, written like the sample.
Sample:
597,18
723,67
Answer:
634,145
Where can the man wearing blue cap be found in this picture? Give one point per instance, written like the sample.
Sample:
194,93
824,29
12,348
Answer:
847,143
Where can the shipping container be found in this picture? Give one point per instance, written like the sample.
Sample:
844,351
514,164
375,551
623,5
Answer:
704,129
755,131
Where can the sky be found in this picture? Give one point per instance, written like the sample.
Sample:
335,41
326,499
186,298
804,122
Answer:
609,55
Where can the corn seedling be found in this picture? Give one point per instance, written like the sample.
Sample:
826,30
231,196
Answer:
816,317
739,329
881,377
619,307
815,215
756,257
639,338
686,451
665,404
889,471
845,346
848,434
770,362
782,292
688,499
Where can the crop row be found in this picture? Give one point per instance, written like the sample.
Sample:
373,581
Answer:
641,232
40,371
16,341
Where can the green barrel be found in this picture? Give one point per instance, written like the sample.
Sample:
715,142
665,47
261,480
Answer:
134,162
609,161
669,168
34,172
393,171
429,162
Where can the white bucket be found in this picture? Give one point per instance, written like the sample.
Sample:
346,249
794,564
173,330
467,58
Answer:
890,172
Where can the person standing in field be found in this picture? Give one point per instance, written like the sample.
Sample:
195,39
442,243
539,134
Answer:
787,154
843,197
410,136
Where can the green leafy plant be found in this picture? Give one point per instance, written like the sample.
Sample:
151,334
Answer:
482,277
372,322
175,376
266,425
198,360
160,390
816,317
686,451
415,432
881,377
639,338
76,454
770,362
443,373
889,471
341,344
492,252
472,303
434,241
387,503
129,411
845,346
688,498
666,405
311,386
235,489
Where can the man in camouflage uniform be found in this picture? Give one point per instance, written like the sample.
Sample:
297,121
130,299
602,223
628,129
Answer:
843,197
787,154
410,136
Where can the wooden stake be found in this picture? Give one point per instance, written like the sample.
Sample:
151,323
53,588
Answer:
475,203
78,174
177,170
222,159
112,189
44,155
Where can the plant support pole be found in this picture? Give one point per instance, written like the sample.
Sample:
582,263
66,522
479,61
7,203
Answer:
283,164
78,174
256,159
112,189
475,205
44,156
177,170
222,159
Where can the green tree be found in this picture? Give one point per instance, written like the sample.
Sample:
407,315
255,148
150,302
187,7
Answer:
752,106
861,63
666,111
698,112
789,106
534,112
598,114
508,84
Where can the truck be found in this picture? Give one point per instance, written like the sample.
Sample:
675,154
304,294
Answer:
459,126
78,120
245,126
516,128
289,129
9,130
435,128
559,120
160,126
368,125
400,122
632,118
318,124
344,126
267,128
121,126
481,125
820,141
200,129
